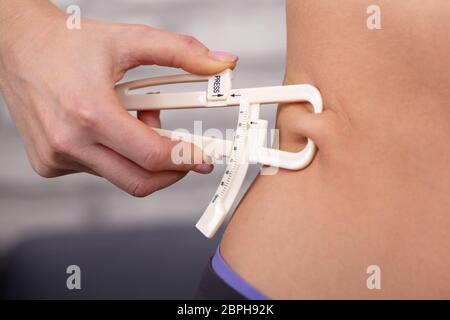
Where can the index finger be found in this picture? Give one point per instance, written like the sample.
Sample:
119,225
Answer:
133,139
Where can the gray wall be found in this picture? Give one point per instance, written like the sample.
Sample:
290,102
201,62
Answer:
30,205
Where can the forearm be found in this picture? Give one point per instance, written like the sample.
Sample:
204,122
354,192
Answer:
18,15
23,25
11,9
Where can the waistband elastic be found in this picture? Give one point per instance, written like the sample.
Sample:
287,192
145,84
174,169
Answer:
224,271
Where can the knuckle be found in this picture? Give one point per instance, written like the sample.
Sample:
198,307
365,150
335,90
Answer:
82,111
43,170
140,28
186,45
140,189
47,160
189,41
87,117
154,159
59,144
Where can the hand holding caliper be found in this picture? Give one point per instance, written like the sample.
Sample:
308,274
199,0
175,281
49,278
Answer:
58,85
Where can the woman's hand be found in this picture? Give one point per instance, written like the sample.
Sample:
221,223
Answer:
59,88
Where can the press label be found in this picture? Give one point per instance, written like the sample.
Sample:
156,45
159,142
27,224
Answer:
216,85
219,86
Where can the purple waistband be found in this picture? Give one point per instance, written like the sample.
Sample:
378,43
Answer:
224,271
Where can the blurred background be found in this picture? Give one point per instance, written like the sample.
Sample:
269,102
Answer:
126,247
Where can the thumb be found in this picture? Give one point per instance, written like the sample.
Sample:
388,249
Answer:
142,45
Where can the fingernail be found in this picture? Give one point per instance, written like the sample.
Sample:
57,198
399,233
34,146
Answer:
223,56
203,168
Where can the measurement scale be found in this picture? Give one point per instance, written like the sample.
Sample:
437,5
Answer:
249,144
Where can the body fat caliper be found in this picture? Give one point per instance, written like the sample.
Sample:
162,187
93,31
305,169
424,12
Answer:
249,144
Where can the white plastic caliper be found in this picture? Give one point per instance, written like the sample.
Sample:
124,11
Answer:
249,144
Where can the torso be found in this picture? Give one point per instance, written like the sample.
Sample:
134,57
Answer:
378,191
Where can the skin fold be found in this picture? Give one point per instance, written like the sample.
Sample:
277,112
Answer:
377,192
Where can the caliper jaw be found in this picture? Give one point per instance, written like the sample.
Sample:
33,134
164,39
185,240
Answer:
249,145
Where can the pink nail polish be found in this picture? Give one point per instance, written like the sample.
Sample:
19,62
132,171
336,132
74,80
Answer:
223,56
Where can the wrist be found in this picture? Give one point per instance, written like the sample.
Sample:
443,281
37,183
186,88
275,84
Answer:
17,16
